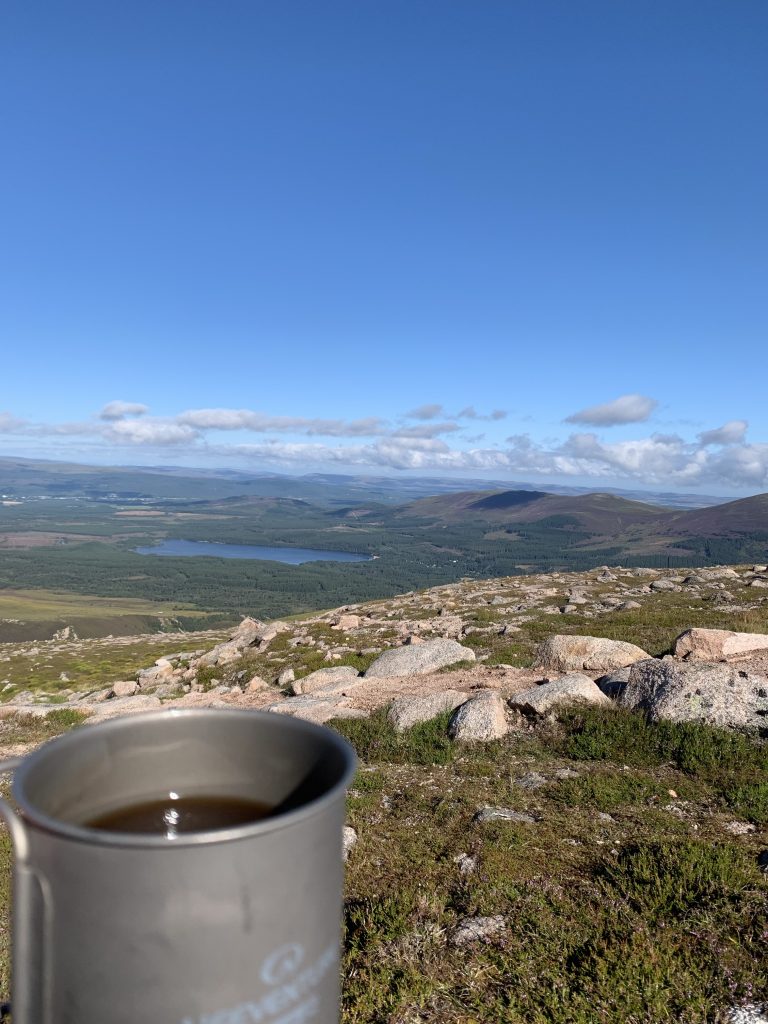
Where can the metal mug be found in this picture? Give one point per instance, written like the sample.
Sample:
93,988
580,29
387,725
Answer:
234,926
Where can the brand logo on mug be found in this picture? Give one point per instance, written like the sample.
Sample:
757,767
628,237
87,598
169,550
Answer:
280,965
291,1000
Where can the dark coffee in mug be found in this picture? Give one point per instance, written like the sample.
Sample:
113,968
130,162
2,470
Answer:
175,815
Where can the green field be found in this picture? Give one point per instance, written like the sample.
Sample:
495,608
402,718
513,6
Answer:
36,614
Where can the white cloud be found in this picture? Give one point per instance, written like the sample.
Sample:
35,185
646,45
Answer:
431,412
470,413
742,466
117,410
426,430
627,409
730,433
151,432
719,457
425,412
247,419
10,424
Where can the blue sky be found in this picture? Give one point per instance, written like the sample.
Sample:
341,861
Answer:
514,238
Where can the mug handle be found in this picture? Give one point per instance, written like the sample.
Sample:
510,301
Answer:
29,926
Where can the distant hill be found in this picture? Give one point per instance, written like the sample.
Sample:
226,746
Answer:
47,477
596,513
747,515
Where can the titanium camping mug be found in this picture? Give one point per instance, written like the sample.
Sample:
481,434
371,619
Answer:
235,926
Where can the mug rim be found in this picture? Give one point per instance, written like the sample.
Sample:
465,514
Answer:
32,815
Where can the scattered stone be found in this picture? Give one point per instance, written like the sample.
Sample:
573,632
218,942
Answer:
664,585
717,694
124,706
531,780
572,688
481,718
342,623
67,633
255,684
124,688
267,633
247,632
148,678
349,838
739,828
286,676
405,712
96,696
315,709
503,814
749,1013
466,864
566,773
324,678
22,697
426,657
586,653
477,929
718,645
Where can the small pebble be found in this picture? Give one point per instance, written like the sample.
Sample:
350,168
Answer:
349,838
477,929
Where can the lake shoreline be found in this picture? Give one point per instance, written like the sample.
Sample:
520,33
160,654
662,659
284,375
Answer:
254,552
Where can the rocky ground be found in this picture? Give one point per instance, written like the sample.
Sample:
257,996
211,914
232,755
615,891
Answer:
502,636
562,805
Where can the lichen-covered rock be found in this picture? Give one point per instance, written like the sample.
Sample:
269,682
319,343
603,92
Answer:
717,694
419,659
561,653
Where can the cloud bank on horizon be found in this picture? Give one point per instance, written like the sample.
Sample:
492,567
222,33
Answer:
427,438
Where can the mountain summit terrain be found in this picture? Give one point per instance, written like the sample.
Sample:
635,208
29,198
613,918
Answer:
561,808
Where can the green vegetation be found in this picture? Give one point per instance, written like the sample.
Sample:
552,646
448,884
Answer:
616,909
376,740
653,627
627,901
87,665
39,613
84,546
